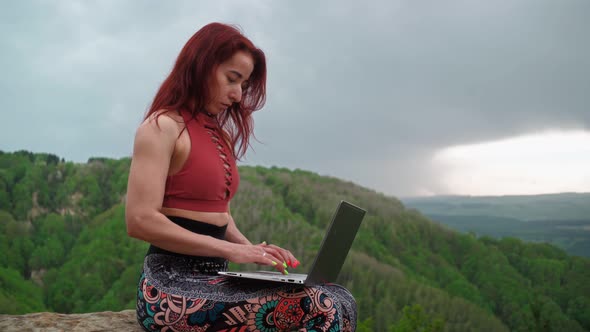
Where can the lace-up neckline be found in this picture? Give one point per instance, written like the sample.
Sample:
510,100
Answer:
212,127
209,178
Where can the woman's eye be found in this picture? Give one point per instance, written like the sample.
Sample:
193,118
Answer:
229,79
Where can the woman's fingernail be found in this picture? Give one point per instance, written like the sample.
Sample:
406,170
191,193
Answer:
285,272
264,242
274,263
296,263
285,265
289,263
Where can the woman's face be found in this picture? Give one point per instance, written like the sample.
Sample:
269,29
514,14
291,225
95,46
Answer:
228,82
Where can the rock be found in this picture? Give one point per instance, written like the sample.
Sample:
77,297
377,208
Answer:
53,322
37,276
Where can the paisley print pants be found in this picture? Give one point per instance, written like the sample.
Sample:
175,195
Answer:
186,294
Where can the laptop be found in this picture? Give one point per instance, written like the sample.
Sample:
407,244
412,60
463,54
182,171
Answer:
329,259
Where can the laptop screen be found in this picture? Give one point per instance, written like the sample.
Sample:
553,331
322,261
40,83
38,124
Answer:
336,243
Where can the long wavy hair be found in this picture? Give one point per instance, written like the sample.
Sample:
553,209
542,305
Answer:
188,87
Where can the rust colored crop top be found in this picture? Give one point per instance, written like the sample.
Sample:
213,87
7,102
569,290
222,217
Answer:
209,178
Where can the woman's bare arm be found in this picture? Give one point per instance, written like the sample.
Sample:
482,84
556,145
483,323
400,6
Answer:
152,152
234,235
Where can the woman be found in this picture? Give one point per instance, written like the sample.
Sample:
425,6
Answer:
183,176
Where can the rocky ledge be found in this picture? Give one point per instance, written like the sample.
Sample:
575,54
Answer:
52,322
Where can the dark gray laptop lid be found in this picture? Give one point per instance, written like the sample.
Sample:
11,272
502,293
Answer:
336,243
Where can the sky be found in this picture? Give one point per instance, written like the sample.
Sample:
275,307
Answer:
404,97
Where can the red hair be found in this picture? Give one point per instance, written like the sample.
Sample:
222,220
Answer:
187,87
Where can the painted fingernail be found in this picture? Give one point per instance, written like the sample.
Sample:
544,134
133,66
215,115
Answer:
296,263
285,272
289,263
264,242
285,265
274,263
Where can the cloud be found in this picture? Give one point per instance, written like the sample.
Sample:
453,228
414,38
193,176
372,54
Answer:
530,164
366,92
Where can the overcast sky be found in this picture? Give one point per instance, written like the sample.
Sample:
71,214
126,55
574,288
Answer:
374,92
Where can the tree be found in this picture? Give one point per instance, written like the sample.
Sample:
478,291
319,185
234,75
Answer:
414,319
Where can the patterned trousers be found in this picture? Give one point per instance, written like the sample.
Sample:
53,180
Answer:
171,296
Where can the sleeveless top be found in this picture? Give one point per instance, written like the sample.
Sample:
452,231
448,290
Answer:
209,178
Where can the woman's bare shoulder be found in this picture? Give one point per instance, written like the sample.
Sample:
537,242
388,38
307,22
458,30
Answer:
165,115
157,135
163,121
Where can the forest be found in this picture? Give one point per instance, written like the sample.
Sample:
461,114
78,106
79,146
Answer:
63,233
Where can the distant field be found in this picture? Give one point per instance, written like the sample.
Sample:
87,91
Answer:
560,219
567,206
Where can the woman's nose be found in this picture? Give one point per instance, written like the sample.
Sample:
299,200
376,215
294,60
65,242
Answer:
236,94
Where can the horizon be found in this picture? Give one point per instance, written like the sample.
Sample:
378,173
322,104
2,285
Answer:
400,197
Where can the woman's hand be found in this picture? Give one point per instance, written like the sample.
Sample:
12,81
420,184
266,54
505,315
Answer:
287,257
262,254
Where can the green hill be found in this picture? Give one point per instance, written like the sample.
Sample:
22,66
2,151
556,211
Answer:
63,226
